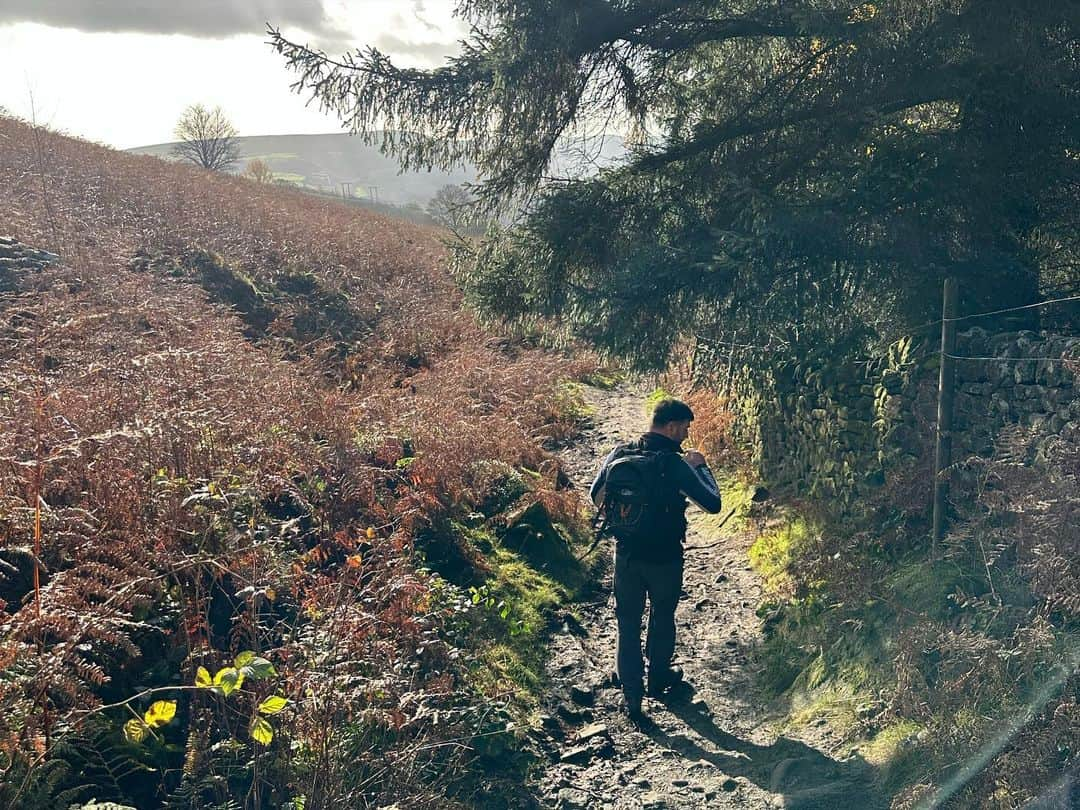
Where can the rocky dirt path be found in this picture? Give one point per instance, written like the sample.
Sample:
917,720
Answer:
709,745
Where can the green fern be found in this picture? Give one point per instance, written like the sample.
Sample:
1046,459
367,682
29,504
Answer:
38,787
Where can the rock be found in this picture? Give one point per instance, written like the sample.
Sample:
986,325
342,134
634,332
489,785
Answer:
578,755
572,799
798,773
582,694
549,723
570,624
680,782
572,714
824,797
1024,372
592,730
729,785
602,747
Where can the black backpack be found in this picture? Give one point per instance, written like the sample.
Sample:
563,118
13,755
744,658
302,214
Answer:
642,505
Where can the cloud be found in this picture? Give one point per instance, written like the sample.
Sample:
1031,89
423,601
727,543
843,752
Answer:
419,12
433,52
211,19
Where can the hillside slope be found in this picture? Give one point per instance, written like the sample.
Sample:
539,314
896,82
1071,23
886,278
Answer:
324,162
248,435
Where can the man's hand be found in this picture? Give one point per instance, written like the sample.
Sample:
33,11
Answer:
694,458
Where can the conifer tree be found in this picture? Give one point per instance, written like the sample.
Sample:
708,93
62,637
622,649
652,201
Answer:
809,170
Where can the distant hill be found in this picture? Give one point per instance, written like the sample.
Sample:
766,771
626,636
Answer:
325,162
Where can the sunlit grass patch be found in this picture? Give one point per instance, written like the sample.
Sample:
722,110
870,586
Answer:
777,550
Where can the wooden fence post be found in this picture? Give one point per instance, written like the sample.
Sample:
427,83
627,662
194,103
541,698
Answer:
946,385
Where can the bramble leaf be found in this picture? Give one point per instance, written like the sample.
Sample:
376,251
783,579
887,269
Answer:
135,730
243,659
261,731
160,713
273,704
228,679
258,669
202,678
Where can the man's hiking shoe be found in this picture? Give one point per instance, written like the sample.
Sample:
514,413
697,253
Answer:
633,709
662,681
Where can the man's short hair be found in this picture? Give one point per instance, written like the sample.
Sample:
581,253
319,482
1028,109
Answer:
670,410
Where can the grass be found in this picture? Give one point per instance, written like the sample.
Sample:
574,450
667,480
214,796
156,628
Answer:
925,586
532,573
837,703
777,550
516,657
606,379
654,398
897,753
290,177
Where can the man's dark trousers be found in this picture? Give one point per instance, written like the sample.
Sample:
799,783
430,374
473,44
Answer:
662,582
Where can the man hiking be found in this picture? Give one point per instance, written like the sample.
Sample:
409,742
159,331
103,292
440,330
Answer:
641,490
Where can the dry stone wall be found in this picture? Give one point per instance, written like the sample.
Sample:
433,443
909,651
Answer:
836,430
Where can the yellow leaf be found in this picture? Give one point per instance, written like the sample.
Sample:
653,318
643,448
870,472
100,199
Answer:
261,731
370,533
228,679
354,561
243,659
135,730
271,594
202,678
160,713
273,704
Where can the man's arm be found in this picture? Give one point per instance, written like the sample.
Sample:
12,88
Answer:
697,483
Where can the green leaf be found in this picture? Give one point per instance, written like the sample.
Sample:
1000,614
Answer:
243,659
160,713
258,669
202,678
261,731
135,730
273,704
228,679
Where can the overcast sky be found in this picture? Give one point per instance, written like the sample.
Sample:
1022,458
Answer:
121,71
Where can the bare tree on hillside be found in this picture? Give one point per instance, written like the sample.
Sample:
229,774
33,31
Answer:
206,138
452,206
259,171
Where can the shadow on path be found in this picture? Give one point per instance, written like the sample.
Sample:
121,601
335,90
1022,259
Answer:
800,776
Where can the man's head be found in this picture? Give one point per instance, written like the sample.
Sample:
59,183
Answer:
672,418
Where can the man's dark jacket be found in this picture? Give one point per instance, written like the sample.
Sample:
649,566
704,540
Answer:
695,483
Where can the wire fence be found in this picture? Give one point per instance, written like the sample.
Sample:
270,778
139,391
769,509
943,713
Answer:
733,345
